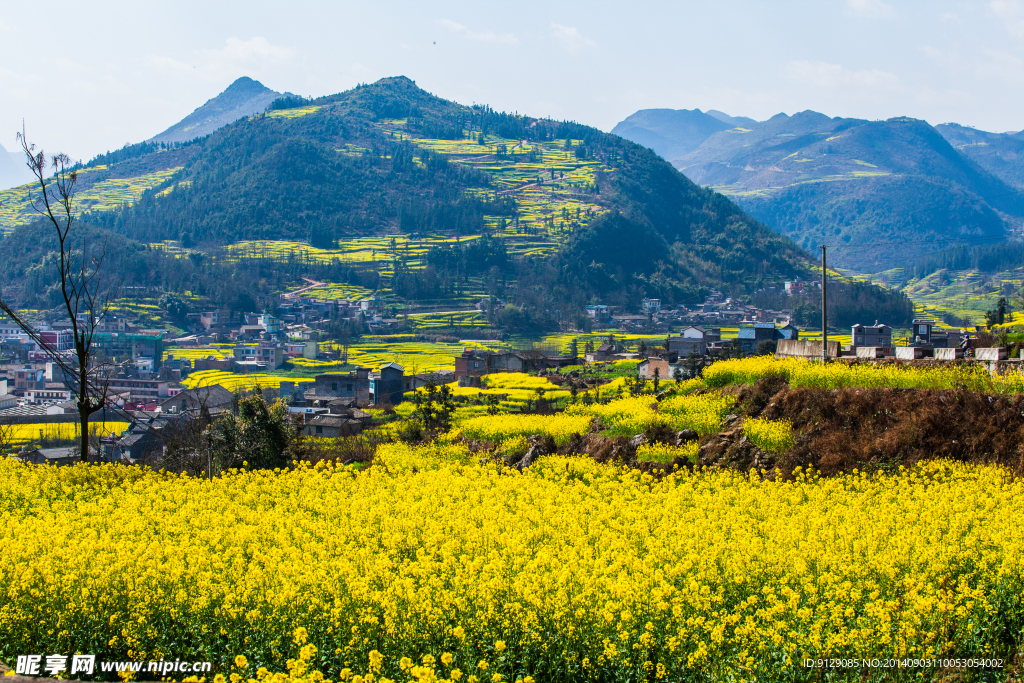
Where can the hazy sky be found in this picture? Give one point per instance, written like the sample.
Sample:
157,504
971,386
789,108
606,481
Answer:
91,76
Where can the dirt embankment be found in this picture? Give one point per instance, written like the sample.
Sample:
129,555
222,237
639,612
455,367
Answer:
836,430
878,428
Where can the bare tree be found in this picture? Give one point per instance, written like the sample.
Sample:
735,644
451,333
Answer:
6,437
85,298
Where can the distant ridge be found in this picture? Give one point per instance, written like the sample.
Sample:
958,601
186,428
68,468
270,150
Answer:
673,133
822,180
1001,154
12,169
244,97
736,121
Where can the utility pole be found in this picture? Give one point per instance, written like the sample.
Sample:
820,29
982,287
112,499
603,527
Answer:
824,309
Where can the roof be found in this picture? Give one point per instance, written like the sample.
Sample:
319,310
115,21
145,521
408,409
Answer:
764,326
213,395
57,453
746,333
23,410
327,420
394,366
131,439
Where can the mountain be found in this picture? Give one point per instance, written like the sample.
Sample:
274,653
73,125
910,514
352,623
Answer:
672,132
388,188
858,185
422,199
1001,154
734,121
12,169
244,97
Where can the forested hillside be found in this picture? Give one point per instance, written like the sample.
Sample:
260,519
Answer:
822,180
1001,154
391,158
426,199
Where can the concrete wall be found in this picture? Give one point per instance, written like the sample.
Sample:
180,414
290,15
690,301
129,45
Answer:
804,348
875,351
909,353
993,353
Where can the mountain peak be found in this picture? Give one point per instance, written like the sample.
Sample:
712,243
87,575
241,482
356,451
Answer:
670,132
244,84
738,121
244,97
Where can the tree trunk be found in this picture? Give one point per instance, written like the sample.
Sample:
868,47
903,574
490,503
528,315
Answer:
83,418
85,408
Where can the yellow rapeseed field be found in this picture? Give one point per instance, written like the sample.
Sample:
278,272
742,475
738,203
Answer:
430,566
501,427
769,435
633,414
805,373
35,433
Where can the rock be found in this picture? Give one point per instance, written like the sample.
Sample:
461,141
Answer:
686,435
527,459
637,440
540,444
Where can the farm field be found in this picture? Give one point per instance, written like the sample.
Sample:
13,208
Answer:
415,357
34,434
16,209
332,291
234,381
425,322
435,562
293,113
192,352
431,564
967,294
803,373
552,188
513,389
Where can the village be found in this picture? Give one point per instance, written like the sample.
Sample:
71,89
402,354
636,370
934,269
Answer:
147,370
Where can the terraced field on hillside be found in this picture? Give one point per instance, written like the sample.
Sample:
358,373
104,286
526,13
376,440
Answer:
102,195
966,294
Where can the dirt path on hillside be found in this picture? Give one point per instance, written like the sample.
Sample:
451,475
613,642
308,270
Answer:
313,284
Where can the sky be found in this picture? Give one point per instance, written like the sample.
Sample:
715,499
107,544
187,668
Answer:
90,77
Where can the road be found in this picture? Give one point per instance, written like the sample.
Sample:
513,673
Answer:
313,284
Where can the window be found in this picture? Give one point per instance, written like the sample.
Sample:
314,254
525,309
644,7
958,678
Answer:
334,386
348,387
319,429
476,364
922,329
